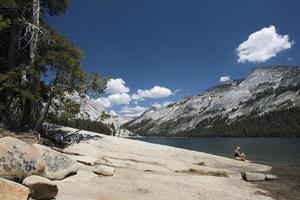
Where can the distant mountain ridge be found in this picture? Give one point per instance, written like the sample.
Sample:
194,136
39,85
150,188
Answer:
92,111
222,108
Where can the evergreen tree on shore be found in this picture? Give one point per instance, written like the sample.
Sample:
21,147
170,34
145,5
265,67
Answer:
38,65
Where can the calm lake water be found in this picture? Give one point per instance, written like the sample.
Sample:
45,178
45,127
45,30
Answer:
283,154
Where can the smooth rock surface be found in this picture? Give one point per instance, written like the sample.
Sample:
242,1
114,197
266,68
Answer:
146,171
250,176
40,187
19,159
10,190
104,170
58,165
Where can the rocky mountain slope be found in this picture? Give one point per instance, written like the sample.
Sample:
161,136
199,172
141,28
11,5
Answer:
265,90
92,110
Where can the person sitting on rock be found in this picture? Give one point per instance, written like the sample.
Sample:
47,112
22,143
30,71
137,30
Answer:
238,154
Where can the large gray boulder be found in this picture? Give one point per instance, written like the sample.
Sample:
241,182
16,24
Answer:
58,165
40,187
19,159
10,190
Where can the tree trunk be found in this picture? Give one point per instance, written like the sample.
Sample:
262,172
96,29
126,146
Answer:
31,106
45,111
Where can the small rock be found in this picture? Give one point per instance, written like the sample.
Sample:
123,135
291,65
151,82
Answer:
12,191
271,177
86,160
58,165
40,187
104,170
19,159
249,176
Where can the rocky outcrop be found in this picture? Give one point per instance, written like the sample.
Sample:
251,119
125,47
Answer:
12,191
19,159
104,170
58,165
40,187
250,176
66,137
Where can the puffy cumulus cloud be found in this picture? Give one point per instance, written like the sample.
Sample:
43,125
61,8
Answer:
116,86
103,102
114,99
159,105
263,45
119,99
133,111
224,78
155,92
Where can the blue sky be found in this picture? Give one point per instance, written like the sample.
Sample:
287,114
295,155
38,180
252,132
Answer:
184,46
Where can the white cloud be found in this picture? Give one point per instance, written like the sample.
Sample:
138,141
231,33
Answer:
263,45
290,59
116,86
133,111
119,99
103,102
224,78
155,92
114,99
176,91
136,97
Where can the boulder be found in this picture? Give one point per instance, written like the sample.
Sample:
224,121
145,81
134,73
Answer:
58,165
12,191
104,170
40,187
250,176
19,159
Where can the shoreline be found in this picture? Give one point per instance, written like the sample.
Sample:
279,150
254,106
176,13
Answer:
281,188
201,137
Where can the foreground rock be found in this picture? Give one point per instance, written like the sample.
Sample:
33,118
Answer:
12,191
58,165
104,170
19,159
248,176
40,187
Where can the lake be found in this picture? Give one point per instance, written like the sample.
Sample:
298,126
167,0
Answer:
283,154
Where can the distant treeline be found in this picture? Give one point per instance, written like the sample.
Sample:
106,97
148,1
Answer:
85,124
283,123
